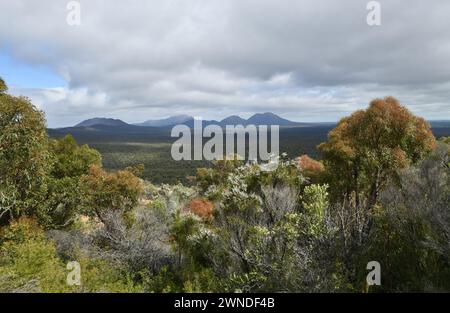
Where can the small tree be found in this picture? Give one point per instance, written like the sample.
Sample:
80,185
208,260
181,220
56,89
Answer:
411,232
367,148
69,162
104,192
24,157
315,202
70,159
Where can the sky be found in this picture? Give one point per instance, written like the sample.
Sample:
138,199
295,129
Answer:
305,60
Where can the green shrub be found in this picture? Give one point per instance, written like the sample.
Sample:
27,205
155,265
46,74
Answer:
28,262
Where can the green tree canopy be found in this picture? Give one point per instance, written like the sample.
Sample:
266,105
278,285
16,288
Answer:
367,147
69,162
24,157
109,192
72,160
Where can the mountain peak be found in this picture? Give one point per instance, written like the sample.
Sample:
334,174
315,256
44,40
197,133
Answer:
269,118
266,114
101,121
233,120
170,121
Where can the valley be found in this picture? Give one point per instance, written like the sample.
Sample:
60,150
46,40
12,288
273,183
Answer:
125,145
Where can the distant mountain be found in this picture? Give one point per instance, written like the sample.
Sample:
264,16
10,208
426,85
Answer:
233,120
170,121
439,123
257,119
101,121
270,119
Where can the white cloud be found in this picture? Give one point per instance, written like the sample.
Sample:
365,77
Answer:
305,59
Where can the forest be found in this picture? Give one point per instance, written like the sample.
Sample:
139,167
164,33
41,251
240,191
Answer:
378,190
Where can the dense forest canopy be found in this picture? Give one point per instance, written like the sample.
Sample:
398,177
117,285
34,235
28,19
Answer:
380,193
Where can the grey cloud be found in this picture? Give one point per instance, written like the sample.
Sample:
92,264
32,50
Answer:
310,60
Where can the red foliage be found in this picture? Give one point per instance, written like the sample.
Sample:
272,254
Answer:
308,164
201,207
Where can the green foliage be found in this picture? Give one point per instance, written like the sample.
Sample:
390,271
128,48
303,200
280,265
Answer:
99,275
72,160
265,239
185,279
63,198
383,197
41,178
366,148
3,87
62,203
184,226
216,175
446,140
105,192
412,228
397,241
24,158
28,262
255,229
315,203
152,148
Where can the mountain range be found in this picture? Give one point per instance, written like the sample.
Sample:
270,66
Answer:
257,119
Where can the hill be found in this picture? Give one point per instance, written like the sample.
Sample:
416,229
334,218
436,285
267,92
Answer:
101,121
170,121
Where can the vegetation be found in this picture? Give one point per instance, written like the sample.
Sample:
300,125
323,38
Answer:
367,148
24,157
120,148
380,193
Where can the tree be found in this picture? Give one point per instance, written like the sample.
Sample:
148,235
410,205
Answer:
70,159
369,146
411,233
3,87
104,192
69,162
24,158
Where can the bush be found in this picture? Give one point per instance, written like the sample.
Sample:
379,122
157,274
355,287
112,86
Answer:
105,192
28,261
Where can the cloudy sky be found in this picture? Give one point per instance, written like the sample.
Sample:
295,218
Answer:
306,60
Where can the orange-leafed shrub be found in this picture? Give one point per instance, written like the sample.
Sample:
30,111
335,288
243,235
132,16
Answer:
310,168
201,207
307,163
